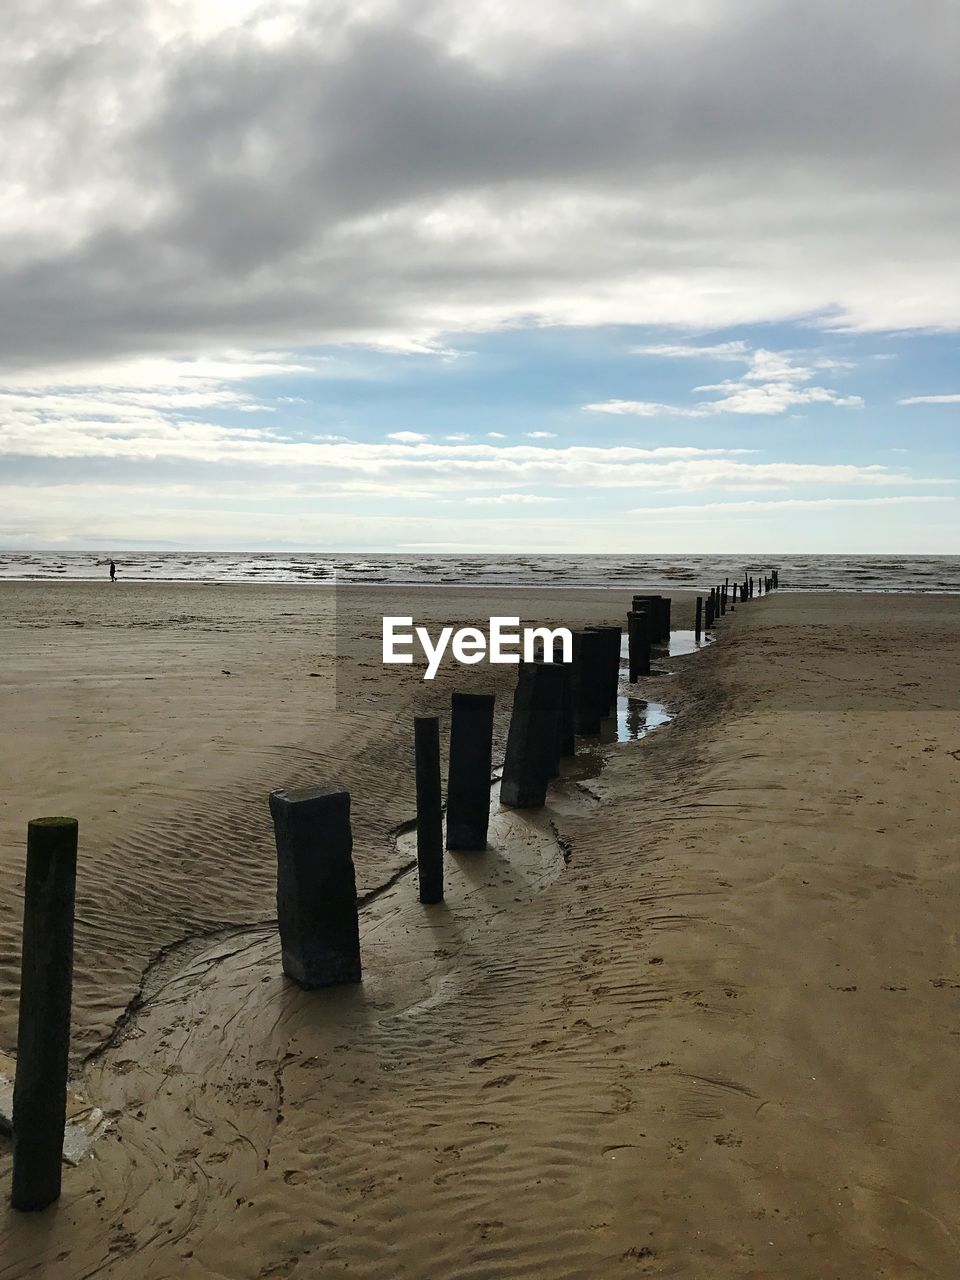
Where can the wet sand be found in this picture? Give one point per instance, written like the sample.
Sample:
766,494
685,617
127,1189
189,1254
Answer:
700,1017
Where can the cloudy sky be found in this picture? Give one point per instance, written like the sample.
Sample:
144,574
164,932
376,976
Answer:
659,275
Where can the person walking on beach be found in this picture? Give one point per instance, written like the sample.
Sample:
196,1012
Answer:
113,572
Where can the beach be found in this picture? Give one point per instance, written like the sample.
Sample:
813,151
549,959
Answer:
699,1017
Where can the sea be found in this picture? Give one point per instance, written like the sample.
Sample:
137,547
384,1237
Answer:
679,572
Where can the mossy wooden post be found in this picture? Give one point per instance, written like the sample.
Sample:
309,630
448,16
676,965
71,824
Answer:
426,741
316,886
468,779
698,623
43,1038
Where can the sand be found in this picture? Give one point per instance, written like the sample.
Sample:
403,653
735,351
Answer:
700,1017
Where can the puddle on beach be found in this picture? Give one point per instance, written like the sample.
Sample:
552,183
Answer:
682,642
635,718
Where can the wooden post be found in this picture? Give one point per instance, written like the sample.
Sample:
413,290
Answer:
533,736
316,886
43,1038
426,738
468,779
723,601
610,678
658,615
698,624
568,742
587,666
638,644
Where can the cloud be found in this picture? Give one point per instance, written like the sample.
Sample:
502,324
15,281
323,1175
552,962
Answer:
646,409
772,383
789,504
180,176
948,399
541,435
512,499
736,350
407,437
496,435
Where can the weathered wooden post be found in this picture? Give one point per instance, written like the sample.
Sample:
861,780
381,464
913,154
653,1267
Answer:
723,601
426,738
468,778
638,644
568,742
610,679
43,1037
710,608
658,615
698,623
316,886
533,736
751,588
734,598
587,668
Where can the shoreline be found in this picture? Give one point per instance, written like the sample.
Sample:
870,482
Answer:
713,1044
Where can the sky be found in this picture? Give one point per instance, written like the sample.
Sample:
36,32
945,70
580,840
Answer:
651,275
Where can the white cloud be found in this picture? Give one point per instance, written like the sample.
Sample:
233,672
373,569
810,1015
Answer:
789,504
496,435
646,409
736,350
512,499
541,435
407,437
458,436
948,399
772,383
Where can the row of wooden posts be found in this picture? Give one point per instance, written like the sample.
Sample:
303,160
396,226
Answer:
317,914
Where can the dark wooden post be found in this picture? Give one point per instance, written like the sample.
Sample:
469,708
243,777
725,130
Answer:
316,886
568,742
426,737
43,1038
471,764
723,601
658,615
533,736
587,668
610,679
638,643
698,624
710,607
